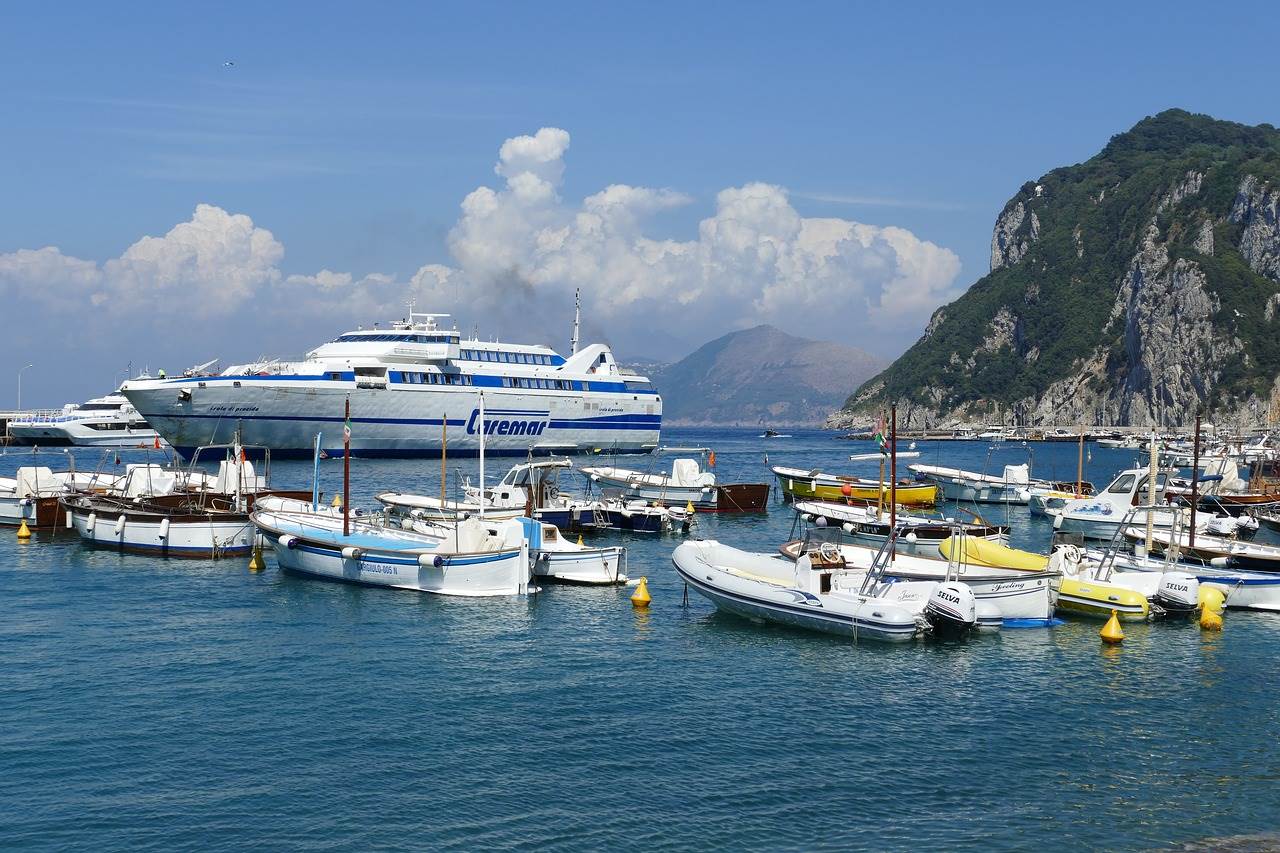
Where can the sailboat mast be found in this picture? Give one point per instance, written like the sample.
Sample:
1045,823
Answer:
346,471
577,317
482,454
1195,483
893,473
1153,474
444,457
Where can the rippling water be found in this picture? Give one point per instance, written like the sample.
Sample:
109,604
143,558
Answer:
149,703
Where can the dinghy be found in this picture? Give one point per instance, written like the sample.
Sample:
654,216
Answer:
823,598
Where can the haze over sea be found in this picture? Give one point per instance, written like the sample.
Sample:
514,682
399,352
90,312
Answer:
153,704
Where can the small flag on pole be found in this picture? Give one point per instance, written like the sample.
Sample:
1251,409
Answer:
346,429
879,434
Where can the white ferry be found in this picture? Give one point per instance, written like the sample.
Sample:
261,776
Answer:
408,385
108,421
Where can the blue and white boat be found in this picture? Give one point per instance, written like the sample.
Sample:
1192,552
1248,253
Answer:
408,385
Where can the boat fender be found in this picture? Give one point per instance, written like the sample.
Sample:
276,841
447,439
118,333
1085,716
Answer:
69,523
350,552
438,561
120,524
288,541
911,536
24,502
91,522
820,521
847,527
806,516
164,528
1220,561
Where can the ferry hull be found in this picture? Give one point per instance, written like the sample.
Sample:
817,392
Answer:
286,413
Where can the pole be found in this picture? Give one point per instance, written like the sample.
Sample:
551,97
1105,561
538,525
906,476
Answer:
1080,465
444,458
1195,484
346,471
482,454
315,474
893,473
1153,474
20,369
880,491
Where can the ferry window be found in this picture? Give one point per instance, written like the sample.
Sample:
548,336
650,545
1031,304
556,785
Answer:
334,376
1122,485
468,379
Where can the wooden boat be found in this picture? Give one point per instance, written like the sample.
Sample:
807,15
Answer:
917,534
797,483
686,484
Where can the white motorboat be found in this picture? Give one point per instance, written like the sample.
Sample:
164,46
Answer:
824,598
687,484
1101,515
109,421
868,525
1026,596
467,560
1012,486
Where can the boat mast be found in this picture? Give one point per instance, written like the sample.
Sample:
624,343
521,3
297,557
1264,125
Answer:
1080,465
1153,473
482,454
1195,483
444,457
893,476
346,471
577,317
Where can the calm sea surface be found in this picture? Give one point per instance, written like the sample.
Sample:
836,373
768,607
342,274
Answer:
150,703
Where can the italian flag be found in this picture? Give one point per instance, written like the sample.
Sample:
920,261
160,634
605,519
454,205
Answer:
879,435
346,429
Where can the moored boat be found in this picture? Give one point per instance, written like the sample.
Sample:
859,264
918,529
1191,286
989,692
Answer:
797,483
687,484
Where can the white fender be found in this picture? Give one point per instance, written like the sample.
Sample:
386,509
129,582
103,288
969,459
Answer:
288,540
164,529
120,524
69,523
351,553
847,527
91,522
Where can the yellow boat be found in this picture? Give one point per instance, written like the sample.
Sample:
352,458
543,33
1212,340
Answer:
1075,595
833,487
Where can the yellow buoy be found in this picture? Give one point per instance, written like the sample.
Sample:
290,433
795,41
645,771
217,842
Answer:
641,597
1212,598
688,507
579,540
1112,632
24,532
337,501
1210,620
255,559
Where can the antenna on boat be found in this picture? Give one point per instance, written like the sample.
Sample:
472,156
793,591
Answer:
577,318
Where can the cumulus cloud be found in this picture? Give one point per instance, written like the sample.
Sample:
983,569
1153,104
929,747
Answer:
755,259
517,253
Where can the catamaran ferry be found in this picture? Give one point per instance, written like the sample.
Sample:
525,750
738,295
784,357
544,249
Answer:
412,387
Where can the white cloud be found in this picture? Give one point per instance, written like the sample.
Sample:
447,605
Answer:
518,251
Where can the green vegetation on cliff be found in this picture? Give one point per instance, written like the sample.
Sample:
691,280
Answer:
1068,250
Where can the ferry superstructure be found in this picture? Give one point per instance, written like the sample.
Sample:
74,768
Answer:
408,384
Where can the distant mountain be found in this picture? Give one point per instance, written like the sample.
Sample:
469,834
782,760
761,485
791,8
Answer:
1133,288
761,375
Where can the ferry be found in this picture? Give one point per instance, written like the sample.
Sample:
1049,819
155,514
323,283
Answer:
108,421
413,387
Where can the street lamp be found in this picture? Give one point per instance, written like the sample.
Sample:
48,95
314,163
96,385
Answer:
20,386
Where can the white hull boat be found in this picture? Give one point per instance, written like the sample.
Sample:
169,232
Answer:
101,422
467,561
179,532
1245,590
686,484
1014,487
766,588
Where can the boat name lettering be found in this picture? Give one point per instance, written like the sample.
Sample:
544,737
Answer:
534,425
233,408
1001,587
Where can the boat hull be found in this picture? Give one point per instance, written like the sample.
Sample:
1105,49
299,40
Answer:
831,488
588,566
194,536
39,513
496,573
285,413
885,623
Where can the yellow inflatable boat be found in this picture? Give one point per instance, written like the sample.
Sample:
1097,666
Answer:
1076,595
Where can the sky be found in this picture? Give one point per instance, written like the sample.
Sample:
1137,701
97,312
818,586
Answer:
236,180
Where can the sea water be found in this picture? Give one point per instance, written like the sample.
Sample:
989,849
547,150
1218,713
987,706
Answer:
148,703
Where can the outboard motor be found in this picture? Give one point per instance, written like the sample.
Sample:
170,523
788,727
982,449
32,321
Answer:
1178,594
951,611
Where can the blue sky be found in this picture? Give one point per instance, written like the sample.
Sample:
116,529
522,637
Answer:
353,135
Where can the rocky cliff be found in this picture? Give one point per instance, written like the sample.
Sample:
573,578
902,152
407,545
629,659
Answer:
760,376
1131,289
